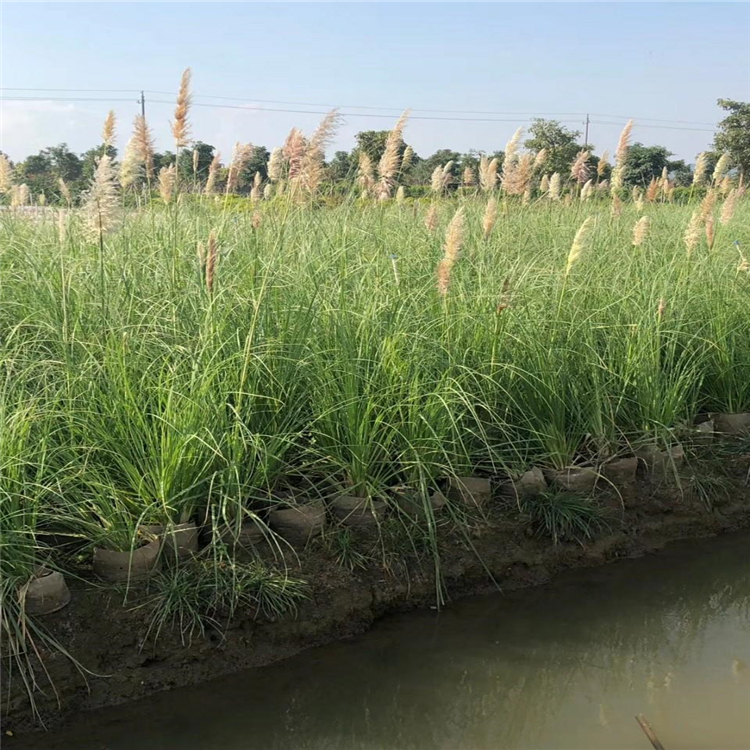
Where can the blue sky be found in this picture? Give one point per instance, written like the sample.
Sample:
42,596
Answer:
665,61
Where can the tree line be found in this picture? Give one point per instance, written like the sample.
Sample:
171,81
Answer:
44,172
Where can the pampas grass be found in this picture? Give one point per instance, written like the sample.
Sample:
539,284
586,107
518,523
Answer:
167,181
388,167
312,167
294,150
693,232
621,156
20,195
366,174
65,191
101,202
144,142
720,169
213,174
580,243
180,125
640,231
6,175
468,178
701,167
108,131
407,158
211,255
710,231
487,173
602,165
275,164
131,167
540,159
623,144
518,179
511,154
256,193
441,178
430,219
579,170
436,180
454,237
490,217
707,205
553,191
241,156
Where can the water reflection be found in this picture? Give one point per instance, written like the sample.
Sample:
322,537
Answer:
564,666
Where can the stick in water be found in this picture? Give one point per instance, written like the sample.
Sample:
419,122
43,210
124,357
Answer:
646,727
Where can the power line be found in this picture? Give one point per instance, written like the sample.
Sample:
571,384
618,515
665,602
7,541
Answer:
258,109
660,127
357,106
249,108
120,91
63,99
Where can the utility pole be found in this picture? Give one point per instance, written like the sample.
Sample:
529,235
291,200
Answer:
143,107
585,137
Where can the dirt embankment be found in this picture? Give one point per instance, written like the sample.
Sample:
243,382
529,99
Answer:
502,553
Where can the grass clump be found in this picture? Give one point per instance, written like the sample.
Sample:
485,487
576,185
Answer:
565,515
205,593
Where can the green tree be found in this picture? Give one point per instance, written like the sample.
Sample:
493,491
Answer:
205,156
561,144
65,164
36,172
258,162
646,162
163,160
733,136
342,167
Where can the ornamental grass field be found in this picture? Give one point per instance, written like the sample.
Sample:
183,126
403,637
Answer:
201,362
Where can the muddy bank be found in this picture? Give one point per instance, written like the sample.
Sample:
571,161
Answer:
109,639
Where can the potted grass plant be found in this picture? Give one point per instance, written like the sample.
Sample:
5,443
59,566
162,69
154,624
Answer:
265,420
30,478
124,550
150,437
727,377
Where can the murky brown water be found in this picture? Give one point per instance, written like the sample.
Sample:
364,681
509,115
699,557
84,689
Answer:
564,666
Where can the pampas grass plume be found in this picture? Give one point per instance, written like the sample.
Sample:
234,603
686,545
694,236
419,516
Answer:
640,231
180,125
580,242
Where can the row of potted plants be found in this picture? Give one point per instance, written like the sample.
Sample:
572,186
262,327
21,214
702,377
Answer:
296,518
